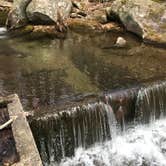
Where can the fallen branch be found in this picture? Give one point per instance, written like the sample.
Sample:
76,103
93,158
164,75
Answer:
8,123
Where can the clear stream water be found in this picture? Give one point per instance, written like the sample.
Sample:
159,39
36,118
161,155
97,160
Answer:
51,75
55,71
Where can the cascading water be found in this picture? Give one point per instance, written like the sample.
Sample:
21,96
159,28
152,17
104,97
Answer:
151,103
140,146
58,135
89,135
2,32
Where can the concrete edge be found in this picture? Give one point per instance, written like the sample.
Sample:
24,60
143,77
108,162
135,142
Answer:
25,144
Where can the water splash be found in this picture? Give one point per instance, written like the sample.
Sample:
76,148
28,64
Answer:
140,146
3,31
72,133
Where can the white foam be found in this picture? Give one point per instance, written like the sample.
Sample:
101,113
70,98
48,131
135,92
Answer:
143,145
3,30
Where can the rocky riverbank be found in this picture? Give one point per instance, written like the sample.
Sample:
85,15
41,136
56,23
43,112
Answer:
146,19
54,18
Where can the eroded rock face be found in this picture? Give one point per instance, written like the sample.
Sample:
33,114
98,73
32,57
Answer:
44,12
144,18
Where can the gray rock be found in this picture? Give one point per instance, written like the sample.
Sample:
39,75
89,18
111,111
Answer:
38,11
48,11
17,16
147,18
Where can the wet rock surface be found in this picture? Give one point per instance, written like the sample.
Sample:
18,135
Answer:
147,19
8,153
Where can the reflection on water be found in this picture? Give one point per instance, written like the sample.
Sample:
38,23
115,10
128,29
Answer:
49,72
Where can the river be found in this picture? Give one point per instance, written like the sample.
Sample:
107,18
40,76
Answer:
61,80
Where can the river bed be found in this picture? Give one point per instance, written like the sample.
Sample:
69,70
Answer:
50,72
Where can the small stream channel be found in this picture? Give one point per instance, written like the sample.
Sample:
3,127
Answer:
93,106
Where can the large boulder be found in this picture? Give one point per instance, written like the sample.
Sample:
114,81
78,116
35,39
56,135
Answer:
48,11
17,16
38,12
146,18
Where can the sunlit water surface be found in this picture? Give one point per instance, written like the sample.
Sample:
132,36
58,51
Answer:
53,72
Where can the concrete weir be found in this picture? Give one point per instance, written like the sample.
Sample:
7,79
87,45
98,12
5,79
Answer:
24,141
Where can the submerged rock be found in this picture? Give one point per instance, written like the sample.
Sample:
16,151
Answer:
120,42
147,18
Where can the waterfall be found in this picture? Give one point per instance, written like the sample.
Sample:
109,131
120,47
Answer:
123,104
70,133
58,135
140,146
151,103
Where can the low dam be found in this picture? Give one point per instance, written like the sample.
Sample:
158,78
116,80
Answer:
87,105
89,134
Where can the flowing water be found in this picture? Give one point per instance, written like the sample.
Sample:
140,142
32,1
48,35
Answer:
139,146
124,128
93,106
